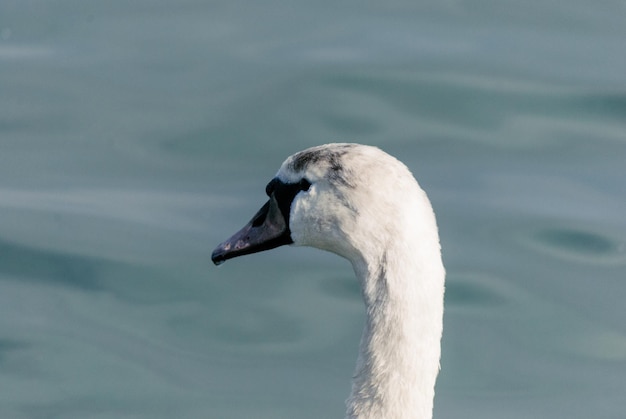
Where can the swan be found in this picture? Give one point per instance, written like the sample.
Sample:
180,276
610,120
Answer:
364,205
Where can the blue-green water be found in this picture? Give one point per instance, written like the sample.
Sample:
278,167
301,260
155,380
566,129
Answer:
134,136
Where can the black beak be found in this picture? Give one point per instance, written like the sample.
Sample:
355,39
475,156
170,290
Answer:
267,229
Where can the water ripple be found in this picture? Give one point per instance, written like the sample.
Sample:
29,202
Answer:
580,245
30,263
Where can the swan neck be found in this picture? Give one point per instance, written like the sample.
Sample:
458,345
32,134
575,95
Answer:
400,347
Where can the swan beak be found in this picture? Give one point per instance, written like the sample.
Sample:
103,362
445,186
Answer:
267,229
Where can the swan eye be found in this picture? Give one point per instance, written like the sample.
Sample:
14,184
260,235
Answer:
276,185
304,185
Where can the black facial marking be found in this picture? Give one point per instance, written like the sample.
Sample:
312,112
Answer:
304,184
269,189
284,193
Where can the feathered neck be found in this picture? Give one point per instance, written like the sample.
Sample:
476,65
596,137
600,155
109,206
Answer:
400,347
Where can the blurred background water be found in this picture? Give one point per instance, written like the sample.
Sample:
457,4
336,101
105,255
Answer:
135,136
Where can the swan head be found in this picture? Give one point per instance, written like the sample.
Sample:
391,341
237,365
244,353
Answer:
348,199
366,206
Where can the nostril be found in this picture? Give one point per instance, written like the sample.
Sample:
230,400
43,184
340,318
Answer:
259,217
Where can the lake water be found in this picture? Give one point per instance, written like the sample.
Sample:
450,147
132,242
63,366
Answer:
135,136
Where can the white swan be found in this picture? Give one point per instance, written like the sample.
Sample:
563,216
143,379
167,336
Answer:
362,204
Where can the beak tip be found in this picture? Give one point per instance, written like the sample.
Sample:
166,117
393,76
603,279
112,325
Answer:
218,256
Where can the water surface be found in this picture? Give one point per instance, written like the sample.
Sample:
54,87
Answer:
136,136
